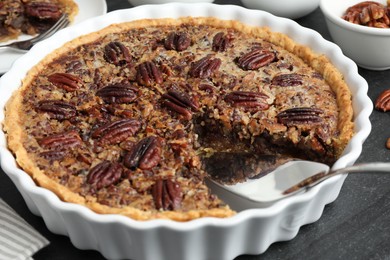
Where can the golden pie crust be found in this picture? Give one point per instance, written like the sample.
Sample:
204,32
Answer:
212,103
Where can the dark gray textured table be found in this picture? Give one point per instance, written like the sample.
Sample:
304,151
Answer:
355,226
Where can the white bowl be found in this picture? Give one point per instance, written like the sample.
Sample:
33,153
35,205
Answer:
250,231
368,47
286,8
144,2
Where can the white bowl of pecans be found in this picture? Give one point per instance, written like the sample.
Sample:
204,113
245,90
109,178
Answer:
144,2
361,29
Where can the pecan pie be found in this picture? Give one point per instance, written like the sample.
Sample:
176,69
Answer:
31,16
124,119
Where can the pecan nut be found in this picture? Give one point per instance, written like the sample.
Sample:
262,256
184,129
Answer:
180,102
177,41
145,155
383,101
116,132
43,10
300,116
255,59
368,13
65,81
167,195
287,80
204,67
221,42
248,100
117,53
104,174
148,74
61,141
118,93
57,109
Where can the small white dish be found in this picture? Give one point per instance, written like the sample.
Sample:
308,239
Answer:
250,231
368,47
147,2
87,9
292,9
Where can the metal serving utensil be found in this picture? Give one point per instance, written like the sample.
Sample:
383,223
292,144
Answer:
286,177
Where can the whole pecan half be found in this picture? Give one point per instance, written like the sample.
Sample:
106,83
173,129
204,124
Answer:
300,115
167,195
61,141
383,101
53,155
368,13
148,74
118,93
116,132
117,53
43,10
104,174
65,81
204,67
177,41
255,59
221,42
248,100
145,155
180,102
57,109
287,80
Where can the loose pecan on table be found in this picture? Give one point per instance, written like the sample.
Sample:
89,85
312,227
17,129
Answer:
369,13
66,81
383,101
118,93
117,53
300,115
248,100
148,73
57,109
145,155
177,41
255,59
104,174
180,102
204,67
116,132
167,195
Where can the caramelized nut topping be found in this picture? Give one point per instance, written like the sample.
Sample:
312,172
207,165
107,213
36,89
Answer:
148,74
177,41
221,42
62,141
118,93
180,102
167,195
286,80
256,59
43,10
57,109
204,67
65,81
104,174
145,155
300,115
116,132
117,53
248,100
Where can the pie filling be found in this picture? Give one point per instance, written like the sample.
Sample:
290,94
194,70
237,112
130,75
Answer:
132,119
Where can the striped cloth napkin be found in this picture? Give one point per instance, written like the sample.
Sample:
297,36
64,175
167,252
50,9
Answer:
18,240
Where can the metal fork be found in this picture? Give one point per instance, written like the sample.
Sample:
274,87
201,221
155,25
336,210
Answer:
26,45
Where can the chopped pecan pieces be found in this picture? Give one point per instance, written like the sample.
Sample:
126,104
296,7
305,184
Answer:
204,67
300,115
177,41
43,10
116,132
145,155
287,80
65,81
180,102
383,101
118,93
221,42
167,195
255,59
104,174
57,109
117,53
148,74
248,100
62,141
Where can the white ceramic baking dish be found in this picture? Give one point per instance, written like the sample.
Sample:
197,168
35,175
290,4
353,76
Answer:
250,231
